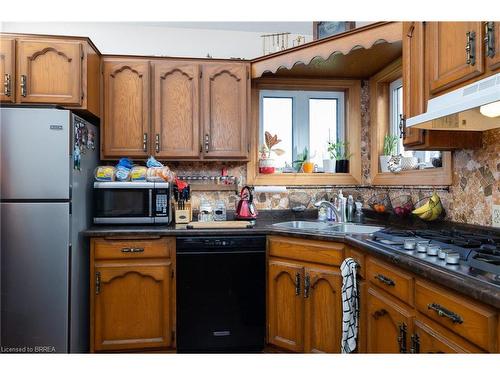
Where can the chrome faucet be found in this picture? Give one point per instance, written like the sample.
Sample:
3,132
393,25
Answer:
338,216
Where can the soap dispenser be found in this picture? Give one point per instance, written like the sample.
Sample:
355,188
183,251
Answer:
358,215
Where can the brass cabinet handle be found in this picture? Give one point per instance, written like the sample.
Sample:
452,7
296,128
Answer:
207,142
409,34
307,286
297,284
415,344
7,85
385,280
489,38
132,250
402,126
97,282
403,330
23,85
470,48
157,143
145,142
444,312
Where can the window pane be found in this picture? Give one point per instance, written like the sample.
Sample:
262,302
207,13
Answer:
277,119
322,128
397,107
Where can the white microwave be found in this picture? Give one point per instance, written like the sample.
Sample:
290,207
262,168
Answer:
132,203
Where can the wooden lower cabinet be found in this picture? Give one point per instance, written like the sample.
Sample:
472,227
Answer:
132,297
429,337
323,310
304,298
286,306
388,323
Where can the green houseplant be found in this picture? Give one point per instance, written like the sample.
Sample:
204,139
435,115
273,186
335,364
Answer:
302,158
389,150
340,152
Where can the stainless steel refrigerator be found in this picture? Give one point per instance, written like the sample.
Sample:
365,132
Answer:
48,156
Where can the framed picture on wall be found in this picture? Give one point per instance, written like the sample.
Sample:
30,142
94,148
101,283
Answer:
322,29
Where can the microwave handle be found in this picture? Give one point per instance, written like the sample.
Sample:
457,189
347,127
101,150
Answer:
151,203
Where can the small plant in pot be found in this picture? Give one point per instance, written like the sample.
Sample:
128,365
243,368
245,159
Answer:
302,163
340,152
267,164
389,150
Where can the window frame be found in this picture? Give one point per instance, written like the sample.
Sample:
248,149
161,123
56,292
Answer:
380,113
352,109
301,114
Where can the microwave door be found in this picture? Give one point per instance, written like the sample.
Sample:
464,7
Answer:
124,205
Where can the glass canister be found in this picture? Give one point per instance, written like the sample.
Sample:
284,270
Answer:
220,211
206,211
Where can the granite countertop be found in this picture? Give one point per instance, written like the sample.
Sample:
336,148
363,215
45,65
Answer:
475,288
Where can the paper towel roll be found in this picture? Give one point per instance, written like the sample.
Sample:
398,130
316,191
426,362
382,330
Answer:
270,189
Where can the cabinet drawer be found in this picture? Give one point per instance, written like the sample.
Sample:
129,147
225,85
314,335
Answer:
324,252
132,249
390,279
359,257
467,318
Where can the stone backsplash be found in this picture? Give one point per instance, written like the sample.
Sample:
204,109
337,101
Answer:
469,200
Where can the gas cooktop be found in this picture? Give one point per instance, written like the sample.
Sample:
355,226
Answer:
471,254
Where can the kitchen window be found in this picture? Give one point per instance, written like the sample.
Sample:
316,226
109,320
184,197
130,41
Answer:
395,111
302,119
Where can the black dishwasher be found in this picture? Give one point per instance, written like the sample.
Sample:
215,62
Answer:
221,294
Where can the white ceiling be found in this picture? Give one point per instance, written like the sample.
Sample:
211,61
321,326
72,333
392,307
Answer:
303,28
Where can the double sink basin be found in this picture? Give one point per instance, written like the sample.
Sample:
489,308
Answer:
328,228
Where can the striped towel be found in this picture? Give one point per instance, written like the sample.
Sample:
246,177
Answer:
350,305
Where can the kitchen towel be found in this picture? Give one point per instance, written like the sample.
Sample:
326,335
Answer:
350,305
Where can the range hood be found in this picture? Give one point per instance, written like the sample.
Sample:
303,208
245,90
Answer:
475,107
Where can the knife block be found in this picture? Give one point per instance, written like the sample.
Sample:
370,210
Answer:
185,215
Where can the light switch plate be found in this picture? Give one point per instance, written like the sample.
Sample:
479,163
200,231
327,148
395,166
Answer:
495,219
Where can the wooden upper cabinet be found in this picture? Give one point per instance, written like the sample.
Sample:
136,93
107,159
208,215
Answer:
455,53
49,72
225,102
389,324
414,98
7,69
323,310
133,305
286,305
176,116
492,50
125,131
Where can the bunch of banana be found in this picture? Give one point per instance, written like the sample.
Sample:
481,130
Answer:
430,210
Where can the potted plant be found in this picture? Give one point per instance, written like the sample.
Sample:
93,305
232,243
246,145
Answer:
267,164
340,152
389,150
302,163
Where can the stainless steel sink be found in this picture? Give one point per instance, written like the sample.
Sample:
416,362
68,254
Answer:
355,228
323,227
304,225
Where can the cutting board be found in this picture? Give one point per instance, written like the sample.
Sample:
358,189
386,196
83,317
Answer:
231,224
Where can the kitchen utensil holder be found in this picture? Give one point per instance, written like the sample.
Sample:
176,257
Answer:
185,215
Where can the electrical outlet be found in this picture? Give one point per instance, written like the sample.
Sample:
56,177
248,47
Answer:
495,219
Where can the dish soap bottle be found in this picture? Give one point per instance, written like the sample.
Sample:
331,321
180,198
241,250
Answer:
358,215
350,209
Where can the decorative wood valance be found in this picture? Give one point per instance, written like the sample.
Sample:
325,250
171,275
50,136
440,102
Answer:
357,53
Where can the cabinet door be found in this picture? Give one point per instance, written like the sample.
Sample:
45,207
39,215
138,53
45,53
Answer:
286,305
413,79
492,30
323,310
49,72
7,69
389,324
455,53
176,110
225,97
133,306
429,337
125,131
